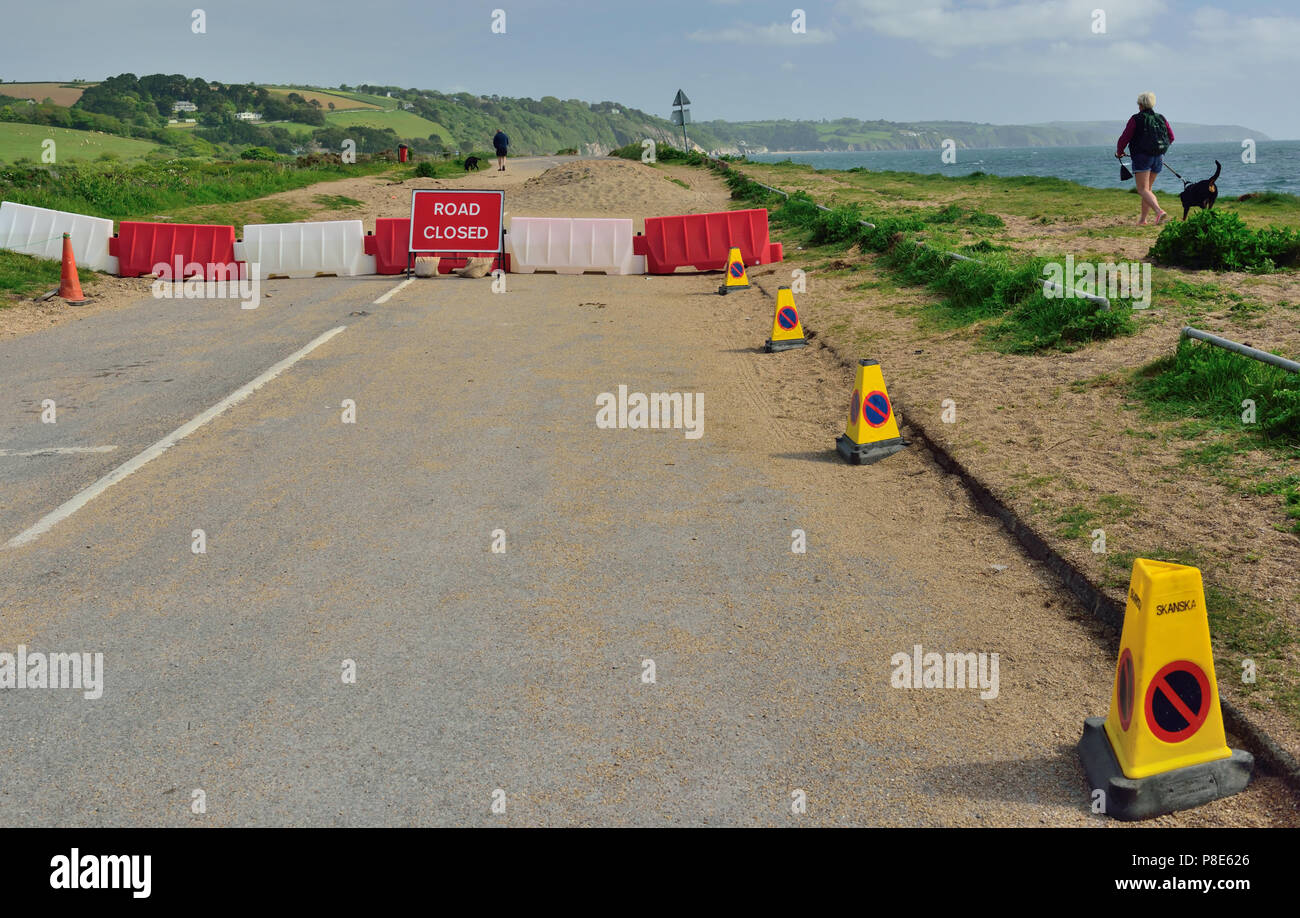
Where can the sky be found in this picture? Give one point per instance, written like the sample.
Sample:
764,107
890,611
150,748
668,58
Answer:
998,61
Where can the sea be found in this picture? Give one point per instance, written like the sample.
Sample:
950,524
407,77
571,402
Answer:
1276,166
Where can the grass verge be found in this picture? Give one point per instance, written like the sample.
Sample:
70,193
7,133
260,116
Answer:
1004,292
21,275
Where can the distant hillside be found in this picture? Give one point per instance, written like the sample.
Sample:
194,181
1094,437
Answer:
845,134
1095,132
542,125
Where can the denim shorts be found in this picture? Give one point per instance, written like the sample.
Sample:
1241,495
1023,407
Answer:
1148,162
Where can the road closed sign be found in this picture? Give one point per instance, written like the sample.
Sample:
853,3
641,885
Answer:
452,220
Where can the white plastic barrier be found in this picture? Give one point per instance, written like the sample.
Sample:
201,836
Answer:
572,245
39,232
306,249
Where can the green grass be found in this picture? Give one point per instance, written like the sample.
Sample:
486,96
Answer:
381,101
1078,521
171,187
1075,522
296,128
23,275
1271,199
240,213
335,201
1211,384
404,123
18,141
1288,488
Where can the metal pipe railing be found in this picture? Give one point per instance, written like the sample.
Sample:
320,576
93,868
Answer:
1244,349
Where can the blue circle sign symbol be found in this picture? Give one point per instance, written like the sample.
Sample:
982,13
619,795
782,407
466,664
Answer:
737,269
787,318
876,408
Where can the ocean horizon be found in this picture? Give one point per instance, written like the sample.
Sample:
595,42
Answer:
1276,166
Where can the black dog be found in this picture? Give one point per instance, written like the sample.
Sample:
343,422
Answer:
471,162
1201,194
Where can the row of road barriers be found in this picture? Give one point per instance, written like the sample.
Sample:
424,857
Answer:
564,245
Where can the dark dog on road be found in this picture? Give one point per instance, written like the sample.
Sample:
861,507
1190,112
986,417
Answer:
1201,194
471,162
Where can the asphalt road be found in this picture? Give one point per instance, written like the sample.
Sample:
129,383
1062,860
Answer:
523,670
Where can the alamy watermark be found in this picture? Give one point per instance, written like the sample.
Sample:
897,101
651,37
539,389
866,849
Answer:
75,870
23,670
952,670
656,411
223,281
1113,280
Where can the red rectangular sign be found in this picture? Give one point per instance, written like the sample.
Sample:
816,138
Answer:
452,220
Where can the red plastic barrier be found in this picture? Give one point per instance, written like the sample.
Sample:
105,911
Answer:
141,246
702,241
389,244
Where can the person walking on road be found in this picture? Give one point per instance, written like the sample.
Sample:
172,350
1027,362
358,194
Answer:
1148,135
502,144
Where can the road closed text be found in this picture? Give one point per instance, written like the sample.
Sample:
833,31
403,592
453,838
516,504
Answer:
457,232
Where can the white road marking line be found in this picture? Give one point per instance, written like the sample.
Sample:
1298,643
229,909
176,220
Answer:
384,299
57,451
65,510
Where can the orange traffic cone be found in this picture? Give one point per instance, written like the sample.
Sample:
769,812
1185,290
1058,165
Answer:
70,285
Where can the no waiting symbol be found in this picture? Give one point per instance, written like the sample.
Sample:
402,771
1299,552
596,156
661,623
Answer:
875,408
787,318
1178,701
737,269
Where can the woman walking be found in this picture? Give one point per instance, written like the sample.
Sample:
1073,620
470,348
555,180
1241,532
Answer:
1148,135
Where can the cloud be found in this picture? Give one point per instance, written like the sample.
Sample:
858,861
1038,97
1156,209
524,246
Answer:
778,33
945,26
1247,39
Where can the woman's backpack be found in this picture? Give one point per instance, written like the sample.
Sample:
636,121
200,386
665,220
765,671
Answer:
1152,134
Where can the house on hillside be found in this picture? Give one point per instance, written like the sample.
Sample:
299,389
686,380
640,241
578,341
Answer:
184,106
248,116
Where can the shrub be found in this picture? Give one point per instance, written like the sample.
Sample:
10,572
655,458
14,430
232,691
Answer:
260,153
425,169
1222,241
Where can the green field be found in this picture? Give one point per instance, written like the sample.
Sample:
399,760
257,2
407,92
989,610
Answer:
340,100
295,128
406,124
19,140
381,101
